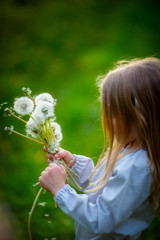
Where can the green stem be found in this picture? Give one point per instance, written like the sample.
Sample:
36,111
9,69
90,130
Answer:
39,125
31,98
31,212
76,184
47,133
32,139
50,130
70,169
18,118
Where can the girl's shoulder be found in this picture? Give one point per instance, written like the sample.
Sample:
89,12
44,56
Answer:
137,160
133,168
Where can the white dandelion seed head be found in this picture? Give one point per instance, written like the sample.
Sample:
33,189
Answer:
55,126
23,105
43,110
58,136
53,146
56,131
45,97
38,117
32,128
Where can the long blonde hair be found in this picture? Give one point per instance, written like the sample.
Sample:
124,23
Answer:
131,92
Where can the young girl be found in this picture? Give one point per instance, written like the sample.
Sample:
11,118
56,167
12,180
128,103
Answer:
121,194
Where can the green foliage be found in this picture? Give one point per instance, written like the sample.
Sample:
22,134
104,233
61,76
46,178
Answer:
61,47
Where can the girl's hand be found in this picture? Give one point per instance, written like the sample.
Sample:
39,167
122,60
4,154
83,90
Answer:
53,178
67,157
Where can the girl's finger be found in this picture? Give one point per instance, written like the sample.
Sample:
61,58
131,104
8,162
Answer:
60,154
45,149
50,156
61,167
47,169
53,164
43,173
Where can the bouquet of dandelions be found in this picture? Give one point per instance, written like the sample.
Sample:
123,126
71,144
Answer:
41,128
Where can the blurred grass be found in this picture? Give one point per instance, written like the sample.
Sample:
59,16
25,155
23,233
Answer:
61,47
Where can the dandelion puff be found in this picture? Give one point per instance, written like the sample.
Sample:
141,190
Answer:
53,146
23,105
45,97
57,131
55,126
58,136
32,128
38,117
43,111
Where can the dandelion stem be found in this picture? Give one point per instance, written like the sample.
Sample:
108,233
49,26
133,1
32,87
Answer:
43,131
69,168
20,134
50,130
55,204
31,98
75,183
72,172
18,118
31,212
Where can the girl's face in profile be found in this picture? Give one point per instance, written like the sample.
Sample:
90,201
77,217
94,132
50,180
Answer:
118,127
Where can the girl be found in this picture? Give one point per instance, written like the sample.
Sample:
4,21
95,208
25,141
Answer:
121,194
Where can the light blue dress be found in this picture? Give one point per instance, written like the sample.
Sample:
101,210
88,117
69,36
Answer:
120,210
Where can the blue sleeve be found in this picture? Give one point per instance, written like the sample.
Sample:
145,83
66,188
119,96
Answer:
125,191
83,168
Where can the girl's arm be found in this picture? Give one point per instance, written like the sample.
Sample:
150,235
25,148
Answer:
81,165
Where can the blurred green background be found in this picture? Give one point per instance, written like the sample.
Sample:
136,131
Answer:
60,47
